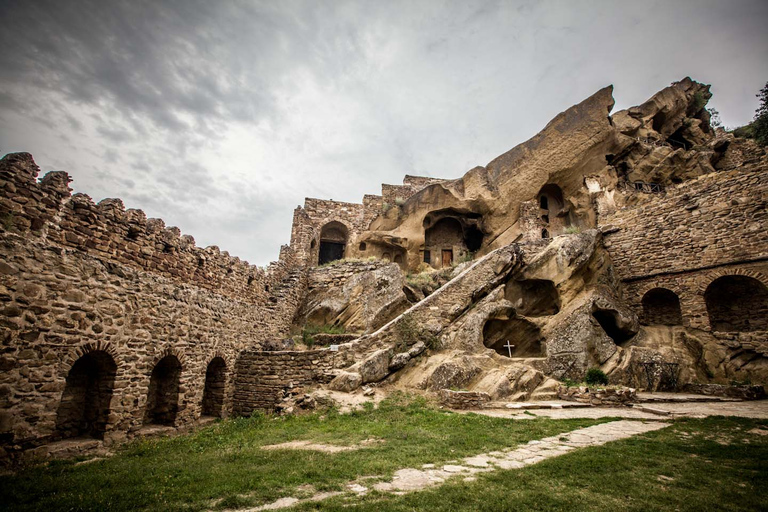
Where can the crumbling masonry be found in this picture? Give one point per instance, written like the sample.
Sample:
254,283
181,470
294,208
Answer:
635,242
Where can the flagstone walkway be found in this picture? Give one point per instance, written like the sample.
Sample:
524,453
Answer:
412,479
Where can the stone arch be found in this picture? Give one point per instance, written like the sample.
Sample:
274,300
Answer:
661,306
163,394
553,214
334,236
85,403
74,355
737,302
214,389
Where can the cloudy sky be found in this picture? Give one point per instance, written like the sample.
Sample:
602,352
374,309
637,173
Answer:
220,117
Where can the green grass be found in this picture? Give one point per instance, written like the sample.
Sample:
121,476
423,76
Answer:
696,465
223,466
309,331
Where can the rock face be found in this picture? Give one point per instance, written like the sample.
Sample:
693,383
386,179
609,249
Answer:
360,296
619,222
634,242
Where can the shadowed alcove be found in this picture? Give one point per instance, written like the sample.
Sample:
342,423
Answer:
163,396
84,406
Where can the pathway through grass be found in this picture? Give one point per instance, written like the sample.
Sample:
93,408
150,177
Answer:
694,465
223,466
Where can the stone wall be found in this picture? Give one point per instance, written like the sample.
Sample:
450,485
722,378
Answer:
93,297
356,218
713,220
263,377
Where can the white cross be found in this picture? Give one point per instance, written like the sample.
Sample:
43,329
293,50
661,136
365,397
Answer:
509,347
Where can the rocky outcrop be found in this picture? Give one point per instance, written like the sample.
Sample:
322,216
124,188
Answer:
360,296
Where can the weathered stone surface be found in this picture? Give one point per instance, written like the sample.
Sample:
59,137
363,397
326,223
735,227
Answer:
346,381
357,295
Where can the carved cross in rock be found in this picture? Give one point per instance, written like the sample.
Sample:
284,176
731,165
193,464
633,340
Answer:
509,347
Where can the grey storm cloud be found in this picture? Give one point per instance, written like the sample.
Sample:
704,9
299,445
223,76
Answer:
221,116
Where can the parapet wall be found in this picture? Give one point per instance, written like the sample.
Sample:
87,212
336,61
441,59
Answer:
78,278
716,219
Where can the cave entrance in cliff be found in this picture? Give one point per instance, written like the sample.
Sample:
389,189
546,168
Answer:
163,396
737,304
333,242
551,202
609,321
677,139
524,336
84,406
215,386
661,307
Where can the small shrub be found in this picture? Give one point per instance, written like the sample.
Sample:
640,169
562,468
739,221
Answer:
570,383
409,332
385,207
469,256
572,230
698,102
596,376
399,201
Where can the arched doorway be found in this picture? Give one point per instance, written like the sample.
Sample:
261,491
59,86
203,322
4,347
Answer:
84,406
441,239
552,213
737,304
333,242
661,307
163,396
215,385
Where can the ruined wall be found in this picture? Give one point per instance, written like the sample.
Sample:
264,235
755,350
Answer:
78,278
262,377
356,217
716,219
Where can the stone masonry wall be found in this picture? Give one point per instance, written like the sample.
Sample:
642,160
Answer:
78,278
263,376
716,219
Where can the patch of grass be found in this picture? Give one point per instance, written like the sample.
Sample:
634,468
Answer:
223,465
695,465
309,331
572,230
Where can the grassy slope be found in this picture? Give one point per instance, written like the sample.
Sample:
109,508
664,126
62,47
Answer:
697,465
225,460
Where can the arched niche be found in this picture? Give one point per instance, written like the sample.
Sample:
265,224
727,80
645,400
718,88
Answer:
215,386
737,304
84,406
163,394
333,242
661,307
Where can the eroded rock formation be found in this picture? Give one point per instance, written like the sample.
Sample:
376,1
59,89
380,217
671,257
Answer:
634,242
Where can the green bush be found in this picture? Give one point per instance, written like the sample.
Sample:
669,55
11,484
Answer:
596,376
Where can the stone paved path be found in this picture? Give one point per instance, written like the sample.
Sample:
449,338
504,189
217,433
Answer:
411,479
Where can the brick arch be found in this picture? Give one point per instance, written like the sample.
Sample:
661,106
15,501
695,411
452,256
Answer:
320,225
659,283
228,360
710,277
76,353
169,351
